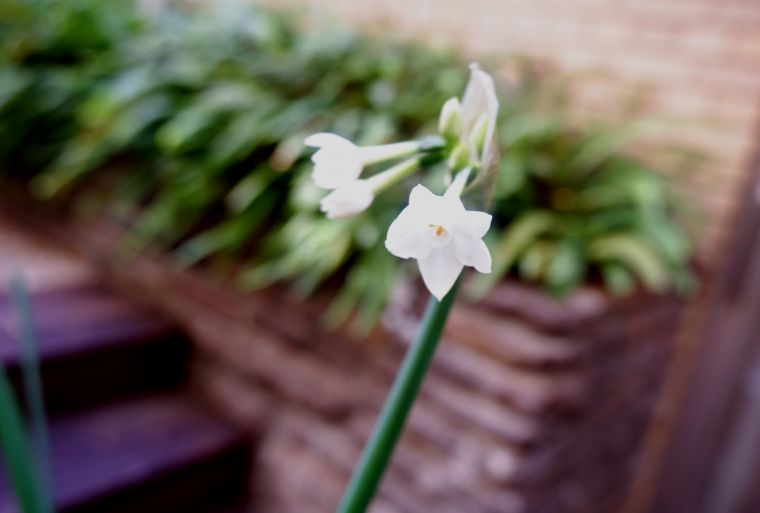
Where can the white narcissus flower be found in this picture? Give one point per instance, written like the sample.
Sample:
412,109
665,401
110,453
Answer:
442,235
339,162
348,200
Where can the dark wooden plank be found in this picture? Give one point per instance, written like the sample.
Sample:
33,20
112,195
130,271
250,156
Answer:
95,347
78,320
157,454
236,508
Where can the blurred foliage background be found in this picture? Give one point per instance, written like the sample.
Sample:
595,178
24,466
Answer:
187,127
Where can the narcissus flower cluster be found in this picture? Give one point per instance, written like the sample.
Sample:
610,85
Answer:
436,230
338,166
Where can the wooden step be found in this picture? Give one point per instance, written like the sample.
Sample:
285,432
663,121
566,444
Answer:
235,508
162,454
94,347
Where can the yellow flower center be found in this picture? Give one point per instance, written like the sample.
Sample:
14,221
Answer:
436,235
439,230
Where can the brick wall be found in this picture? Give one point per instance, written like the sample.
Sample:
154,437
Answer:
698,62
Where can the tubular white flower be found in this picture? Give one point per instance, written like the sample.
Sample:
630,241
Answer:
339,162
442,235
348,200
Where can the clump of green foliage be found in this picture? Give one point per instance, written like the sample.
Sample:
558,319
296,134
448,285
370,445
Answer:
188,127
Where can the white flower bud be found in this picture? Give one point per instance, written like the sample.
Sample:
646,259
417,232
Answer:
459,158
480,108
450,120
479,134
347,200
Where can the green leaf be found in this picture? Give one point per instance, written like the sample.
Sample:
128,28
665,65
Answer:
160,120
565,269
249,189
618,279
634,254
229,236
534,262
506,251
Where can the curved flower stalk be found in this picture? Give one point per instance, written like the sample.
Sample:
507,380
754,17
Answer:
436,230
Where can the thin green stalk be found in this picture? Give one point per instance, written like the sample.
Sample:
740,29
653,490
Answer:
16,454
393,175
40,446
379,449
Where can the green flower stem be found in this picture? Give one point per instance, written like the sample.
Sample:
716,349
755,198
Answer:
377,453
393,175
384,152
459,182
432,144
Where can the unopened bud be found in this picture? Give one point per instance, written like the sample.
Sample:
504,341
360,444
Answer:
450,120
459,158
479,134
348,200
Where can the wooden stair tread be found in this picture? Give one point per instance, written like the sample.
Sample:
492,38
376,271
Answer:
87,335
79,320
98,455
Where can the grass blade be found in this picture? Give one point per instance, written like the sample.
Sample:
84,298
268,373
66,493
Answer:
16,454
38,433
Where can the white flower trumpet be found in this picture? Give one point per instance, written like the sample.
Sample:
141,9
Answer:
442,235
339,162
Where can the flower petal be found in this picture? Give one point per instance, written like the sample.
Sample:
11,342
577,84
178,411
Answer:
421,197
325,139
480,99
403,239
347,200
477,223
472,252
334,173
440,271
433,209
337,162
